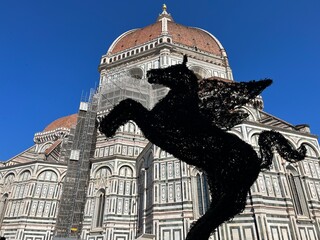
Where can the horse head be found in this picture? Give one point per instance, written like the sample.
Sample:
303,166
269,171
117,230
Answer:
176,77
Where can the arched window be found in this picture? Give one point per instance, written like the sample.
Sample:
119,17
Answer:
203,194
22,187
24,176
254,140
310,151
103,172
100,211
145,192
3,206
136,73
102,177
299,199
9,179
126,127
48,176
126,171
200,72
131,127
141,201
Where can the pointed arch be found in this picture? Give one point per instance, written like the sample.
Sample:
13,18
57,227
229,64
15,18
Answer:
103,172
200,72
202,193
3,206
9,178
45,146
100,203
251,116
126,171
254,139
136,73
48,175
311,151
298,195
24,176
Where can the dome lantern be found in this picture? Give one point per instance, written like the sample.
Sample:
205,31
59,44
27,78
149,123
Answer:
165,14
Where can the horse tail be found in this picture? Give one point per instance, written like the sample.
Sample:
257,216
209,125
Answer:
270,140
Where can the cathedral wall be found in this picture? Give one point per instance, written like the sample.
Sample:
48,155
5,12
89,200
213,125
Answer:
112,197
136,189
284,201
30,196
272,211
111,200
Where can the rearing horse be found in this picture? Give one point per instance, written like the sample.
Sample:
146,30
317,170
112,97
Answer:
177,125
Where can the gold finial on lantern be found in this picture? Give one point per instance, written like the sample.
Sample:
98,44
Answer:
164,7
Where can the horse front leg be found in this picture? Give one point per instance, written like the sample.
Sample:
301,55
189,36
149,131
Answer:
126,110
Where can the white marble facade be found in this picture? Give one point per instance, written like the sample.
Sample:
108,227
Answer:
135,189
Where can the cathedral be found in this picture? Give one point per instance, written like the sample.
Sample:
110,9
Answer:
74,183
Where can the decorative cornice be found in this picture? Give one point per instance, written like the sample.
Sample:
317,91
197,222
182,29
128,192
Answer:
53,135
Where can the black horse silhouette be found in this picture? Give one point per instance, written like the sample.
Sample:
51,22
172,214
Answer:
182,125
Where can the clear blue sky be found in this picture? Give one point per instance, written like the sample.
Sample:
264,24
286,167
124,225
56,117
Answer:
50,51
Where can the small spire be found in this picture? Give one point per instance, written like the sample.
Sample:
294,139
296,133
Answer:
164,14
164,7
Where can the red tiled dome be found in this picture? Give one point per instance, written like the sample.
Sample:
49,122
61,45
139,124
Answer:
64,122
188,36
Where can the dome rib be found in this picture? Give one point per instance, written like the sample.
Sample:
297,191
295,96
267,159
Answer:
119,38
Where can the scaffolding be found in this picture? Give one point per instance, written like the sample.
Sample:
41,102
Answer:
115,87
80,149
118,86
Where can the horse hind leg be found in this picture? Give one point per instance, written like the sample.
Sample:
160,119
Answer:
229,205
126,110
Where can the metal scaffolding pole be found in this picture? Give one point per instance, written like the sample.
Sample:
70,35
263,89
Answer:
79,151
